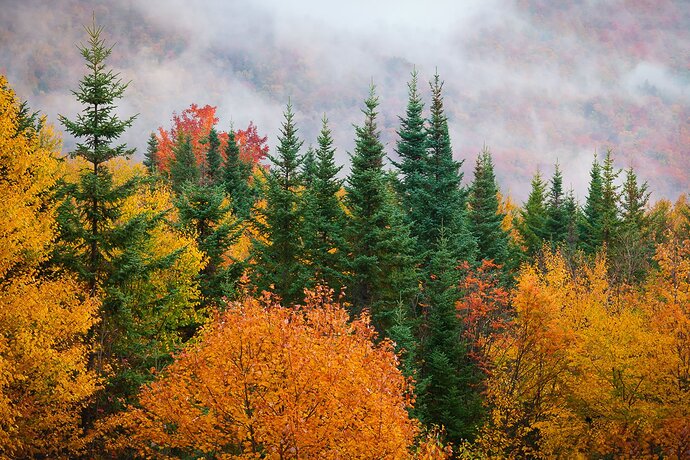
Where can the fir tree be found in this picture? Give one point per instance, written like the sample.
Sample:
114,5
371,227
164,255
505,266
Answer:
380,242
279,263
87,219
309,167
573,218
150,161
532,225
449,377
446,205
592,220
236,174
556,224
205,213
609,201
634,245
214,161
183,167
411,148
485,218
324,217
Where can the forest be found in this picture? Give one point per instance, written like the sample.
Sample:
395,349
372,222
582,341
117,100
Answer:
220,300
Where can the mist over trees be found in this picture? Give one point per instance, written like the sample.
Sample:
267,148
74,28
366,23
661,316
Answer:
208,303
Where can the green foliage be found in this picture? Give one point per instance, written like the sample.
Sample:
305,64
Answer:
212,168
205,213
485,219
324,217
150,154
591,226
449,397
381,263
236,173
556,224
279,257
533,217
183,167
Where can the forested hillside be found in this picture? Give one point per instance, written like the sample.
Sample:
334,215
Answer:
224,298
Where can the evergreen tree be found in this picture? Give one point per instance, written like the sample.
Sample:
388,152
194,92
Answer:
279,258
592,220
183,167
446,205
485,218
150,155
380,242
449,397
533,217
609,201
236,174
556,224
411,148
205,213
214,161
573,218
86,219
634,245
324,217
309,167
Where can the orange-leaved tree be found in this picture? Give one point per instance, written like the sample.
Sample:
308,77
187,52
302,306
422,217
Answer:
44,318
197,122
268,381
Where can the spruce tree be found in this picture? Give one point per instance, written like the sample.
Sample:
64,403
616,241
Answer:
609,201
324,218
183,167
485,219
279,258
150,155
236,174
212,167
556,224
634,245
87,219
379,241
533,217
205,213
449,395
411,148
309,167
446,205
592,220
573,218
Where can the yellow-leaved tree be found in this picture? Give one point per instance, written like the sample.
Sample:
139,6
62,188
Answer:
44,318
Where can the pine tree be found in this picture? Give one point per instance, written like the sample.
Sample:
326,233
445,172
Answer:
485,218
556,225
279,258
183,167
309,167
214,161
150,155
236,174
324,218
573,218
380,242
449,397
95,198
446,205
533,213
591,226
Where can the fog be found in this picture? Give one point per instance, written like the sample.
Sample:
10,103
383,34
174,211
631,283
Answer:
537,82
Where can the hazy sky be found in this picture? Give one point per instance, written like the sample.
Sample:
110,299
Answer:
536,83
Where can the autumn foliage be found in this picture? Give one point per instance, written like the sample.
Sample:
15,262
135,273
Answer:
44,380
264,380
196,122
